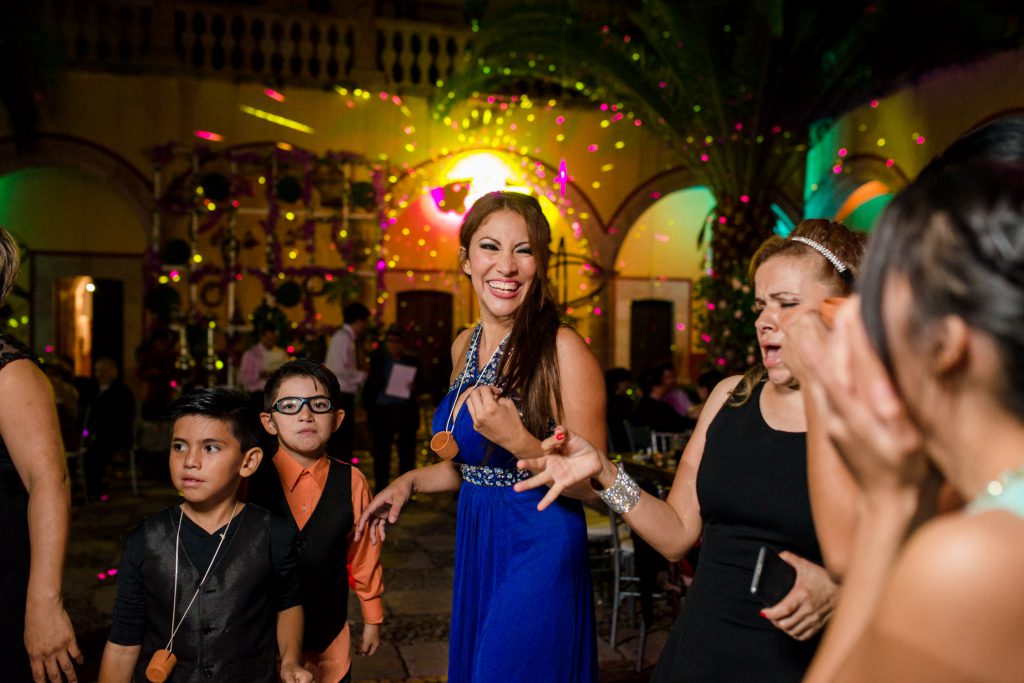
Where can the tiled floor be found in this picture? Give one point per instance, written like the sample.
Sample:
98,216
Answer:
418,559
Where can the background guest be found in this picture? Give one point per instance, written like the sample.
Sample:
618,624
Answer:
342,360
673,394
155,367
620,407
706,382
109,424
260,360
652,410
392,416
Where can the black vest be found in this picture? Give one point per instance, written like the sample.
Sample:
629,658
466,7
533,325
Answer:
322,547
230,634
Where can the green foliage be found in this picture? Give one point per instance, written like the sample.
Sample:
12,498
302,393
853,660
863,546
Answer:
344,289
726,320
733,87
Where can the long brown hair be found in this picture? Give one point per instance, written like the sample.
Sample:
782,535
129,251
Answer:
529,366
847,245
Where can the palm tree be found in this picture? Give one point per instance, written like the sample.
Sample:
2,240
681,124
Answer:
734,86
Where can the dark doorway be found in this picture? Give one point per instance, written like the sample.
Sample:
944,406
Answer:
650,333
108,321
425,318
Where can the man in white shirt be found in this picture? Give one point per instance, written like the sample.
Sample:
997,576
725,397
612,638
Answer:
341,360
260,361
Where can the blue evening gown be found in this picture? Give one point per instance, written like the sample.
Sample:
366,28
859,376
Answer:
522,606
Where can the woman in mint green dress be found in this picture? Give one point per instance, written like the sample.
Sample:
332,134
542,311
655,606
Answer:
923,375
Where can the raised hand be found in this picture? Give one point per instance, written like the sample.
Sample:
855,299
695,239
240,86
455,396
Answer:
496,417
863,415
806,339
568,459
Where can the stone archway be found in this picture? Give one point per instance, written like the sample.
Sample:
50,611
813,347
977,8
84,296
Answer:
92,159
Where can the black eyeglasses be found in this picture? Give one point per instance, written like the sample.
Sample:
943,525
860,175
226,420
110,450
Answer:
291,405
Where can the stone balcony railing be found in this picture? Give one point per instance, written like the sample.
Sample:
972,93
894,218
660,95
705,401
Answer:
250,44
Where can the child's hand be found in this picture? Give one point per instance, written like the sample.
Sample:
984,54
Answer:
293,673
370,642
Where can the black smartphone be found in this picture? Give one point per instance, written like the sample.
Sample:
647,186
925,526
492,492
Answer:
773,577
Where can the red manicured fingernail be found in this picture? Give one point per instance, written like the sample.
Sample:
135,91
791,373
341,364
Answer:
762,614
559,436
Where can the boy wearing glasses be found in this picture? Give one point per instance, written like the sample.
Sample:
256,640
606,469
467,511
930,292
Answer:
324,496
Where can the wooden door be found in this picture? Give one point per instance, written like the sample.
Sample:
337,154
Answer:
425,318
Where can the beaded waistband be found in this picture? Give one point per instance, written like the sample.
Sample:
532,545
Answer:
481,475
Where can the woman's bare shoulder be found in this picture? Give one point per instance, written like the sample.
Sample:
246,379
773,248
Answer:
969,548
574,354
956,588
720,394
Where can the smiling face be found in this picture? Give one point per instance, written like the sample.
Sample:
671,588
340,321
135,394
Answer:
501,264
303,435
783,286
206,462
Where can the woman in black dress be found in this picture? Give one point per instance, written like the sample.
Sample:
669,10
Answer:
36,639
741,484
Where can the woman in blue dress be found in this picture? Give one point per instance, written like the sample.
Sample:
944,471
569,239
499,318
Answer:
926,370
522,605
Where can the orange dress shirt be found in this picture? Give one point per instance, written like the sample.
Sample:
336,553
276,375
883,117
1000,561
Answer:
302,489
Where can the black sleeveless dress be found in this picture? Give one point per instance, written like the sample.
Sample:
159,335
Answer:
752,488
15,546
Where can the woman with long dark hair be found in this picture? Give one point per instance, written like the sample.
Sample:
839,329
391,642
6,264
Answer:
925,372
522,606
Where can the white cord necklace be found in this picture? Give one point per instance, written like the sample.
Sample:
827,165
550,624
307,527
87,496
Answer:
442,443
174,603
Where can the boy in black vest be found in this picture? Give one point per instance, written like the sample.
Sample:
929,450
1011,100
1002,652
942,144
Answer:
213,580
324,496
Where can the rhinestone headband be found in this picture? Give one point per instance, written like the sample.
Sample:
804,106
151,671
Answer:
844,272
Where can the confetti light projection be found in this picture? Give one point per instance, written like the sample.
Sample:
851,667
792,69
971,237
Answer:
274,118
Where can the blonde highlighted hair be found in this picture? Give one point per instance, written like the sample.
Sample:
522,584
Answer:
846,245
10,262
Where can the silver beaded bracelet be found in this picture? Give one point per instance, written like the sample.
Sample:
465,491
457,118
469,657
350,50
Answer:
623,495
